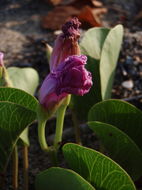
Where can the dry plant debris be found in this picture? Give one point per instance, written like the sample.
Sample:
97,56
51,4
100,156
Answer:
89,13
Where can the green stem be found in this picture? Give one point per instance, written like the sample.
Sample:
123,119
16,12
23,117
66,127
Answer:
42,140
52,152
41,134
15,168
59,125
76,128
25,166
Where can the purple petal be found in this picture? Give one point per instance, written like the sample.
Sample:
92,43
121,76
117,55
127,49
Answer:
47,96
1,59
72,76
71,28
48,87
66,43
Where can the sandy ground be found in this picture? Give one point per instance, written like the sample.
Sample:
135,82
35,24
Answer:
19,23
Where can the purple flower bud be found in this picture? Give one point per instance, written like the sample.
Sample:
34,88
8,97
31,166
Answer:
1,59
69,77
67,69
66,43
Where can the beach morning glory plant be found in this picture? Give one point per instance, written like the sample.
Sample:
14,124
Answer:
113,121
67,76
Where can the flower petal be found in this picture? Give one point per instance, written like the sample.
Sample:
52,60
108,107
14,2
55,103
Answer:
66,43
1,59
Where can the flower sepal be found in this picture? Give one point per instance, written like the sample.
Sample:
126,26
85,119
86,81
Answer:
44,114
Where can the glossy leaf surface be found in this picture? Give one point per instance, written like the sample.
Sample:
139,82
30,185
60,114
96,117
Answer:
14,119
59,178
121,114
120,147
25,79
19,97
96,168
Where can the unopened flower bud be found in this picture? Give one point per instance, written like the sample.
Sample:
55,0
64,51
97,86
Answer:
67,69
4,78
66,43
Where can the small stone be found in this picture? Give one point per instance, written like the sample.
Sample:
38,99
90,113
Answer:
129,60
136,63
128,84
57,32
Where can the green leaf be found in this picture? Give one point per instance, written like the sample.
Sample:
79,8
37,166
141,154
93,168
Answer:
26,79
92,42
91,45
82,104
121,114
19,97
120,147
13,120
59,178
22,98
96,168
109,56
102,46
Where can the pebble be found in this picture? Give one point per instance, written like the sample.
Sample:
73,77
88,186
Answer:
128,84
129,60
57,32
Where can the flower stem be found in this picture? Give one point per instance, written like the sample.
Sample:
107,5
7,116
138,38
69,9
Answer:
52,152
60,121
41,134
59,125
15,168
25,166
76,128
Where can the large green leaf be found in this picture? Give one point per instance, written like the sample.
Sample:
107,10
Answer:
96,168
59,178
120,114
102,46
109,56
19,97
13,120
92,42
82,104
120,147
24,78
91,45
22,98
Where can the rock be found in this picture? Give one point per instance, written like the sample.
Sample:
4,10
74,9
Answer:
129,60
128,84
